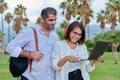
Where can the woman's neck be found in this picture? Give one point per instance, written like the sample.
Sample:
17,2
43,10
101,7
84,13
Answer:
71,44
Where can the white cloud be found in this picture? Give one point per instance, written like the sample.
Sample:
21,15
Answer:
34,7
27,3
96,6
56,1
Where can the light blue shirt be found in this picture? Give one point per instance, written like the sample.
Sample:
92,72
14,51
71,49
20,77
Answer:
42,69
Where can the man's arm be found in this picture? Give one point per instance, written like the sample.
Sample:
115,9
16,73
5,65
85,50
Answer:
35,55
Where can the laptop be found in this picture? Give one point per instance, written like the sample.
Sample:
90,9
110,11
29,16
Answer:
97,50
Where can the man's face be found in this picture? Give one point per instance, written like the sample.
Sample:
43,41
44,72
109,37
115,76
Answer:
49,22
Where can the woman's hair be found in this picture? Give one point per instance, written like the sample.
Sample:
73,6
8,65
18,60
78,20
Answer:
48,10
71,27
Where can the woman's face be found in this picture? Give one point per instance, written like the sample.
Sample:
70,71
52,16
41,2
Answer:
75,34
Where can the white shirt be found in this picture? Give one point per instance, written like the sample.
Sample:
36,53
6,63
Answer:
73,66
41,70
61,49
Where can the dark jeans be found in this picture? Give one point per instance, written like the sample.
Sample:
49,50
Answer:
75,75
23,78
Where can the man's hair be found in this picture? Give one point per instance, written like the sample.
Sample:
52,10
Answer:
48,10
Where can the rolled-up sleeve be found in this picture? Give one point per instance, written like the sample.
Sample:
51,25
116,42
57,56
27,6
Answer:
56,57
89,67
15,46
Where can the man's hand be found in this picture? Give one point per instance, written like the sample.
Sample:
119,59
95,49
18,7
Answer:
36,55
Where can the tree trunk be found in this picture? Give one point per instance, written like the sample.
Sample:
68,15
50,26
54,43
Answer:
2,50
8,32
114,52
88,32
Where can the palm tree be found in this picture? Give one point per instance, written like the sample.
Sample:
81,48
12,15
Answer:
112,16
69,9
3,7
64,24
78,10
38,21
8,18
85,12
17,25
20,18
24,21
1,35
113,38
113,8
101,19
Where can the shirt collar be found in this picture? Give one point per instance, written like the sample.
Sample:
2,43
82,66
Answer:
39,29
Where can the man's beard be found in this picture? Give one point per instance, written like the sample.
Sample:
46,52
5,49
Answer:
51,27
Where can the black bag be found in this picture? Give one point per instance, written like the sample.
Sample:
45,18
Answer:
18,65
75,75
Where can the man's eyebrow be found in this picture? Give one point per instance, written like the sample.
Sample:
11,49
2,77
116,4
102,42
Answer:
52,19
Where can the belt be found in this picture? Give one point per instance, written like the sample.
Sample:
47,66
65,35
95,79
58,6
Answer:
76,71
75,75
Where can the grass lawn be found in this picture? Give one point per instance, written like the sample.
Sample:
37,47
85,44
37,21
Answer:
4,70
106,70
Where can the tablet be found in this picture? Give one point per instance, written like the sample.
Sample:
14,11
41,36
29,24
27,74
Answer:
97,50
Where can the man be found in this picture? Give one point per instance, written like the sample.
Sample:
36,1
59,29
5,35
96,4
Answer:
24,46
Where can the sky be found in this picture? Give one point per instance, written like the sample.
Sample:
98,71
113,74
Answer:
34,7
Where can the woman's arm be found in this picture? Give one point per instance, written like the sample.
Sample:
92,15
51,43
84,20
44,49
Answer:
70,58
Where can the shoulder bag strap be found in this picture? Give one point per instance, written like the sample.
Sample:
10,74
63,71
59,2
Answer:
36,43
35,38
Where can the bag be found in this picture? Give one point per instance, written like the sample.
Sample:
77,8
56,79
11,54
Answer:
17,66
75,75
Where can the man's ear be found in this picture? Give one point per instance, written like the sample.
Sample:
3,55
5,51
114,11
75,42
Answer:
42,20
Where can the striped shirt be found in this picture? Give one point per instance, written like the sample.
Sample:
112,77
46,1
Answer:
42,69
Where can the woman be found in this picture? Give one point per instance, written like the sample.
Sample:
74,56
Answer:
68,54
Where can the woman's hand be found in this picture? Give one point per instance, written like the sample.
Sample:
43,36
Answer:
72,59
98,60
